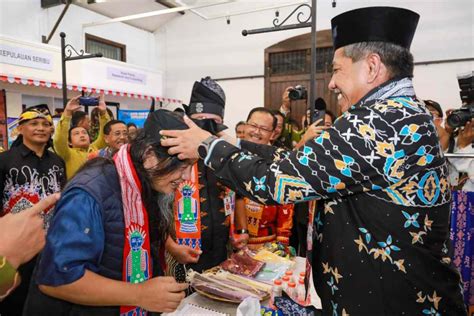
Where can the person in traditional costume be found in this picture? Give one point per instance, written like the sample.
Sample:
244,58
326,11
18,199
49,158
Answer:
29,172
104,253
204,207
265,223
380,242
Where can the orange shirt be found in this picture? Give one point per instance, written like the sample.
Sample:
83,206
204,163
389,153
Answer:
268,223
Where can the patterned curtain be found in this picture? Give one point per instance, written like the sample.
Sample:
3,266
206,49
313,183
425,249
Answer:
462,233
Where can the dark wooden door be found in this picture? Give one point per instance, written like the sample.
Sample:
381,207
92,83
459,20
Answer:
288,63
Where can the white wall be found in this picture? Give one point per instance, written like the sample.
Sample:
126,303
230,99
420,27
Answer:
241,95
26,20
193,48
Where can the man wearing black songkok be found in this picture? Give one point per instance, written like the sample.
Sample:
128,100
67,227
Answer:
206,108
380,244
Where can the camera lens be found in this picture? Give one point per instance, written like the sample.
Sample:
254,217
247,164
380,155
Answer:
294,94
458,118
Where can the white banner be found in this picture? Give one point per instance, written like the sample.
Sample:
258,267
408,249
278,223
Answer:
25,57
126,75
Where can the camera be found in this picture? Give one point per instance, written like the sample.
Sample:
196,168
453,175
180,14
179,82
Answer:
460,117
89,101
298,93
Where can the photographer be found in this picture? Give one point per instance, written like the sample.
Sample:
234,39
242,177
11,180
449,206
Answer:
72,143
292,130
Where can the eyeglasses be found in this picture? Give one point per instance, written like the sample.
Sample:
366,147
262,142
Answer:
258,127
118,134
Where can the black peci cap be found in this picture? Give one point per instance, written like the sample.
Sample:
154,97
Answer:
374,24
163,120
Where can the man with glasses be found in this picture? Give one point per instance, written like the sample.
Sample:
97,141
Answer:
115,135
260,126
265,223
29,172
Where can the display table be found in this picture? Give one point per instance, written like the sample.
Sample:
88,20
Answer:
229,308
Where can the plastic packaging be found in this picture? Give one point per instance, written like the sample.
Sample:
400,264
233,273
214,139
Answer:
271,272
289,274
276,292
285,281
300,292
291,291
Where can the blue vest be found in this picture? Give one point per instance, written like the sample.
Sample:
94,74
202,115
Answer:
102,183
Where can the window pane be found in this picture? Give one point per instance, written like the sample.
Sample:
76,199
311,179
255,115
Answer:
297,62
289,62
108,51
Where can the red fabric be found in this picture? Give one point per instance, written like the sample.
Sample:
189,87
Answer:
264,221
135,216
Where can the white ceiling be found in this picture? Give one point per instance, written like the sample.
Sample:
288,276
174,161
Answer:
122,8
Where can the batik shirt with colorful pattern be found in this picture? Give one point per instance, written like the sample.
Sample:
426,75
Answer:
25,179
380,244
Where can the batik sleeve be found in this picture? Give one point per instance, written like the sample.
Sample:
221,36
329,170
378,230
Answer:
352,156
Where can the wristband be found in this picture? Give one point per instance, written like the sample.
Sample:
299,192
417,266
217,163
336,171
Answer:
241,231
9,278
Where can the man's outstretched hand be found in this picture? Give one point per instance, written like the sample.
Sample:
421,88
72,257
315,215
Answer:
184,143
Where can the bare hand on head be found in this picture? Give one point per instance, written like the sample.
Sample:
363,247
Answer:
72,106
184,143
161,294
466,135
22,235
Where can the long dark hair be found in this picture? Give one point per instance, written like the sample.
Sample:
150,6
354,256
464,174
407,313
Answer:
158,205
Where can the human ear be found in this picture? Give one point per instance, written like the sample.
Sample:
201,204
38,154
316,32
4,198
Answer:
375,65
